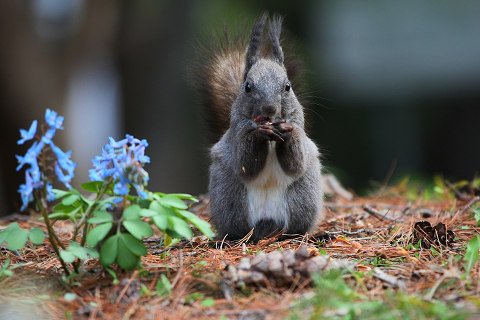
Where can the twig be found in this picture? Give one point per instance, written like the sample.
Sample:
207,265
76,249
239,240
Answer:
221,243
352,233
385,277
429,295
180,270
465,208
368,209
451,273
125,288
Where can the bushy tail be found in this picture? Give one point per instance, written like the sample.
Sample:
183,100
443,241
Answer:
219,70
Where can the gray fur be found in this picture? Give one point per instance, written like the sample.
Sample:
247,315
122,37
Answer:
247,164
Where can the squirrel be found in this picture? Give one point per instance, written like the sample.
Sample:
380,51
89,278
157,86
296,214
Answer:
265,171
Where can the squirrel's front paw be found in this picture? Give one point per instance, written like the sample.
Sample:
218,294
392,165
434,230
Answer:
283,129
267,132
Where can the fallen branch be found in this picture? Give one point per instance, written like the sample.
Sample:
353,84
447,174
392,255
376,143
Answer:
356,232
385,277
368,209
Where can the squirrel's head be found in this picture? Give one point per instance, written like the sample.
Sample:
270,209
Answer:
266,90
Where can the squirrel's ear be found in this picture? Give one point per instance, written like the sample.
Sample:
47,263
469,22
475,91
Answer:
253,51
274,31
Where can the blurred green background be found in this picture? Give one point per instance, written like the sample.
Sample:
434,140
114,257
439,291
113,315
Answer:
392,87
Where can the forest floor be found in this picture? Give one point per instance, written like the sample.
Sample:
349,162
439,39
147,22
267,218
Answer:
396,267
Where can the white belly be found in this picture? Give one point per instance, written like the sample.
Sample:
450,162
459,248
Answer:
266,194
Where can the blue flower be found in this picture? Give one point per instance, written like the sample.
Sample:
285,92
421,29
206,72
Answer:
53,119
26,191
123,162
31,156
48,136
35,177
65,167
28,135
120,188
50,194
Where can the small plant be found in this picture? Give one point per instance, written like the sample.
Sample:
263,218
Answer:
5,270
163,287
471,255
335,299
476,215
110,225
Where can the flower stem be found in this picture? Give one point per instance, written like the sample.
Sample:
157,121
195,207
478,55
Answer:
89,211
84,219
51,233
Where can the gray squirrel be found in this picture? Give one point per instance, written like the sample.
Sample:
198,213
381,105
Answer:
265,171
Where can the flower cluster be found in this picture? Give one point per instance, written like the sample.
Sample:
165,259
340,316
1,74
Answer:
122,161
35,175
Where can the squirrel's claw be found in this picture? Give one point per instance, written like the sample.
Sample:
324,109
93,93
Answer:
283,130
267,132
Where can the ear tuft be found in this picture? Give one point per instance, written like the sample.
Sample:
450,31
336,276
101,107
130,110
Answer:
275,30
254,48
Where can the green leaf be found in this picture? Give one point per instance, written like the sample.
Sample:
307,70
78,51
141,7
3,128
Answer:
132,212
113,275
98,233
201,225
134,245
36,236
71,199
75,192
148,213
59,194
209,302
3,235
80,252
67,256
7,273
184,196
161,222
180,226
64,208
71,213
161,209
471,254
92,253
144,203
476,215
93,186
4,270
15,237
5,264
100,217
138,229
172,201
109,250
163,286
106,202
126,259
87,202
59,216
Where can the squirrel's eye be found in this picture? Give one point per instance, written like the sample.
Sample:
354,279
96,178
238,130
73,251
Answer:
248,87
287,87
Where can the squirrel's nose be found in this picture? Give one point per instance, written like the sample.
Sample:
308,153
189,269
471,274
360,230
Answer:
269,110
